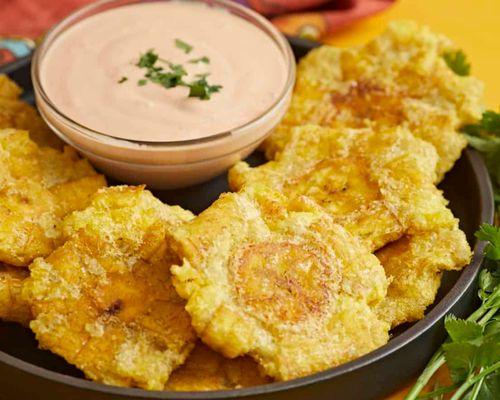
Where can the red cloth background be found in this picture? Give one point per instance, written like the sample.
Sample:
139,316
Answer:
30,18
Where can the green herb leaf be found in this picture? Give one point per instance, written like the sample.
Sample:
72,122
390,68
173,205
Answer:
489,125
148,59
491,387
492,328
123,79
438,392
488,353
486,145
205,75
174,76
202,89
462,331
488,282
490,234
177,69
490,122
457,61
187,48
168,79
485,137
460,359
204,60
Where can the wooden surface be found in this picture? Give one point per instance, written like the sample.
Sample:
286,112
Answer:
473,25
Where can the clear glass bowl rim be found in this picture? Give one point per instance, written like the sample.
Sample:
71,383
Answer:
262,23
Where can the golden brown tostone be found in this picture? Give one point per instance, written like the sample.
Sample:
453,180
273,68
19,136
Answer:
12,305
104,300
15,113
400,79
206,369
285,285
38,187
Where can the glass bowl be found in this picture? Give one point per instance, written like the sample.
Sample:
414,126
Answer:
170,164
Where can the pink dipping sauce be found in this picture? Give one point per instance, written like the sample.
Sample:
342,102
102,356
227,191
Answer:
81,70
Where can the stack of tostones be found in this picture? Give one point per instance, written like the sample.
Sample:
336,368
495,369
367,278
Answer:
12,305
286,286
15,113
38,187
387,120
399,79
104,300
205,369
414,265
378,185
308,264
40,183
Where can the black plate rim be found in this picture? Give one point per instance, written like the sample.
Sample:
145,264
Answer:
464,282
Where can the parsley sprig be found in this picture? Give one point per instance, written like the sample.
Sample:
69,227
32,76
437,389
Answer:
202,89
485,137
472,351
185,47
170,75
204,60
457,61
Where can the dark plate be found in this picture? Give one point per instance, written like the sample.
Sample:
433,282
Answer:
29,373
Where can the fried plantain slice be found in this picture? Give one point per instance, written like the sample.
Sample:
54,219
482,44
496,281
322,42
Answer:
104,300
414,266
206,370
76,195
377,184
12,305
398,79
29,216
17,114
24,158
288,287
38,187
8,88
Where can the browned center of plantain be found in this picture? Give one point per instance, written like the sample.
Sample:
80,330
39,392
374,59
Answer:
341,185
367,101
283,281
114,308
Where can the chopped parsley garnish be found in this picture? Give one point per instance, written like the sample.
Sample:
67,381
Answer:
183,46
204,60
148,59
123,79
172,75
202,89
457,61
177,69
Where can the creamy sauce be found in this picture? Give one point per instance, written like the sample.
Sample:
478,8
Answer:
81,70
